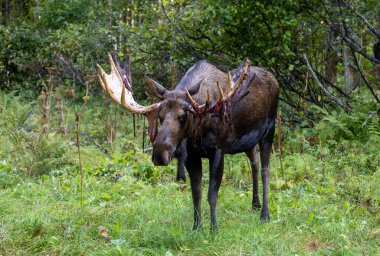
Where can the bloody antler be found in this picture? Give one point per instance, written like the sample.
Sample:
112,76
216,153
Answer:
231,89
229,92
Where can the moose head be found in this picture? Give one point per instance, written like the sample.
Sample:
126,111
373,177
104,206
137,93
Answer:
176,110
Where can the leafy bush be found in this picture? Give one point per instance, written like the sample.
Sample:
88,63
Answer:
134,162
37,153
24,147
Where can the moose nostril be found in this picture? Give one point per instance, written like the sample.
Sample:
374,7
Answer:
161,158
162,150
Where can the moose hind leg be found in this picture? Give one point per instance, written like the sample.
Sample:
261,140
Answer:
194,168
216,175
181,155
181,176
254,162
265,150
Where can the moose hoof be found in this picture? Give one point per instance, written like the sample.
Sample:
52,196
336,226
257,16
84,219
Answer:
264,217
181,179
214,229
197,226
256,207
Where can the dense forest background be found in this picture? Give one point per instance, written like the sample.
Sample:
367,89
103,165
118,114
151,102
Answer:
76,176
164,38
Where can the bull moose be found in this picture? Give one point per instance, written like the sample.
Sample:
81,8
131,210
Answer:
210,113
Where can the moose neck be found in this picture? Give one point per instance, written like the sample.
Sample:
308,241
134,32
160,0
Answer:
206,131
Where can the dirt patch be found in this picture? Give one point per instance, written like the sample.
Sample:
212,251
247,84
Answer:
312,245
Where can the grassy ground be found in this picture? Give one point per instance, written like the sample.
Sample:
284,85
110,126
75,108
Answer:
313,216
328,203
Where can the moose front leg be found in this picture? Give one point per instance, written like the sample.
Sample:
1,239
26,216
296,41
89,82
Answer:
216,161
194,168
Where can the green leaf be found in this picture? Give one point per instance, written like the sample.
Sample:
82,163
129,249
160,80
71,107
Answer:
310,218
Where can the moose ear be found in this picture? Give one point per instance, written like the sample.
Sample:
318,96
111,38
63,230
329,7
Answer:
194,89
155,88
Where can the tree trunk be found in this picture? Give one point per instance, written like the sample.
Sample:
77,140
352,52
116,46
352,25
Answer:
378,24
5,9
350,73
333,48
128,18
377,67
332,58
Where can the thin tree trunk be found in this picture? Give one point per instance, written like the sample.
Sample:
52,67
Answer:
332,58
5,10
60,108
377,67
129,13
350,74
378,23
331,66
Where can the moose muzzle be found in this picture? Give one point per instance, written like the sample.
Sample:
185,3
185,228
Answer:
162,153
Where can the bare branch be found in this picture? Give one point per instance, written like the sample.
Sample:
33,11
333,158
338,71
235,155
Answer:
91,139
71,68
335,99
362,74
346,38
369,26
352,44
371,114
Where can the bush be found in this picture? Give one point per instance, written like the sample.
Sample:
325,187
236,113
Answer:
25,148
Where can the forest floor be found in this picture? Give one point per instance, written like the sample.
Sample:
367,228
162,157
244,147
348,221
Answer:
315,215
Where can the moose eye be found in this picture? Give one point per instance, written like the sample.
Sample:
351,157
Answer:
182,118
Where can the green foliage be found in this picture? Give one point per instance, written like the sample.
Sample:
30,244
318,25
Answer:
165,38
13,112
315,215
7,177
66,35
133,162
38,153
340,126
26,149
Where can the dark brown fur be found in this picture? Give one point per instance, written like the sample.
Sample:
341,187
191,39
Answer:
251,121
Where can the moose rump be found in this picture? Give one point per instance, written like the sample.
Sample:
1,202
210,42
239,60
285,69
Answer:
209,114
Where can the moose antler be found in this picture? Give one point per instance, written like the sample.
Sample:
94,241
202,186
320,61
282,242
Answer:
230,90
118,85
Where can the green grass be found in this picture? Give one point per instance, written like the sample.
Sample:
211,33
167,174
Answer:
44,217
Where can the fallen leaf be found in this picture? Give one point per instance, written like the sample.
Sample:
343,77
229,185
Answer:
104,232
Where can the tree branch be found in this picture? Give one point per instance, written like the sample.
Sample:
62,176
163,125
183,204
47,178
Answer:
364,77
335,99
357,49
346,39
72,69
369,26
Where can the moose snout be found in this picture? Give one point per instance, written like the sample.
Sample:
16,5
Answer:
162,154
161,159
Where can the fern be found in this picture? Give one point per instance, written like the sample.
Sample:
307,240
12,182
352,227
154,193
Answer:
38,153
